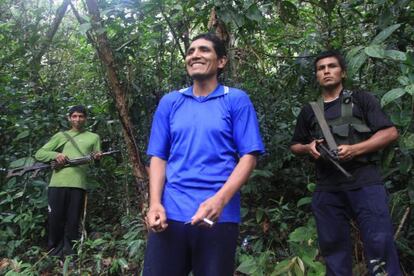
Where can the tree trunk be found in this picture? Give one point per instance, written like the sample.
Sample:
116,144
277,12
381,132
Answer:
118,91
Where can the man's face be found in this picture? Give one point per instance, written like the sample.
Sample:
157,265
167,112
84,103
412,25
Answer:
329,73
201,60
77,120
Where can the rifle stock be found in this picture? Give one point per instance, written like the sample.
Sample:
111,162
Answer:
43,166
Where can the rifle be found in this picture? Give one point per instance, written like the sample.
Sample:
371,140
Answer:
36,167
332,156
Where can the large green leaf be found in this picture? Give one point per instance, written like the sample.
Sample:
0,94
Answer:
392,95
304,201
410,89
22,135
300,234
299,267
375,51
401,118
384,34
403,80
283,267
253,13
248,266
311,262
407,141
395,55
123,263
356,62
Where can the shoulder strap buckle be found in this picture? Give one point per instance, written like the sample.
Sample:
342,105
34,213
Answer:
347,96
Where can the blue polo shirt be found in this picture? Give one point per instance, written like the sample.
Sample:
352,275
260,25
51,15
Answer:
202,138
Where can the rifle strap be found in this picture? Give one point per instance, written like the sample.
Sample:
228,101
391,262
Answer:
70,138
324,126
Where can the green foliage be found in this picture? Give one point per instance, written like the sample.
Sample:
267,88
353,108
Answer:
114,253
21,217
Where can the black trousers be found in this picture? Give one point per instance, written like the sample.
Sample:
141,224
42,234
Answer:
65,207
369,207
182,248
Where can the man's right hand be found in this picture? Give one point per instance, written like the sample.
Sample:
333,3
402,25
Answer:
156,218
61,159
312,148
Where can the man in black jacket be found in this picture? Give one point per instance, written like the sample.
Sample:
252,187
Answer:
337,199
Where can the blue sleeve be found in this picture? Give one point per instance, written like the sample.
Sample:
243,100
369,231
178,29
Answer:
246,132
159,143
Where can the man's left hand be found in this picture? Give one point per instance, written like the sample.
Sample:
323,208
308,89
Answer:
210,209
346,152
97,155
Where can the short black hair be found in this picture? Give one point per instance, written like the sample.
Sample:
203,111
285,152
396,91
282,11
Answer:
331,53
78,108
218,44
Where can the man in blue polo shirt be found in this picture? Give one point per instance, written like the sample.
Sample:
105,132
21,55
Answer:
203,147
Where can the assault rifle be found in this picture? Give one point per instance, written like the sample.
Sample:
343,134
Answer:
36,167
333,158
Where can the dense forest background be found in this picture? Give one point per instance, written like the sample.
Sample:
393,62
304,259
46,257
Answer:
119,57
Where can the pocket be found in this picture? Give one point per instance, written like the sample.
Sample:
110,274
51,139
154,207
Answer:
361,128
341,130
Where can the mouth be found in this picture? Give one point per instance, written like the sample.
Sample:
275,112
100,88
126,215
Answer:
196,63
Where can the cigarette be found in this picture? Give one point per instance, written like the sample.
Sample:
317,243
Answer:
209,222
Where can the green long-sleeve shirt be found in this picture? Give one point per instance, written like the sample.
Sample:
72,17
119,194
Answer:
69,176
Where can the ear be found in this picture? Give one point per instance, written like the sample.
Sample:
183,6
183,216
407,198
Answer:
222,62
343,74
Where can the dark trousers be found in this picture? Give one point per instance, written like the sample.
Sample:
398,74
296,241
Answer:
369,207
182,248
65,208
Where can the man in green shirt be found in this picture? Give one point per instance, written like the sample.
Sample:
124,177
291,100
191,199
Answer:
67,187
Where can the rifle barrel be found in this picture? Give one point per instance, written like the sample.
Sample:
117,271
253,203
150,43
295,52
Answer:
41,166
22,170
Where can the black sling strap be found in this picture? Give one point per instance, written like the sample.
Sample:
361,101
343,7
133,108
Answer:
324,127
70,138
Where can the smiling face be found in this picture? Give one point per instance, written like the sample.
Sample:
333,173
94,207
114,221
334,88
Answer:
77,120
329,73
201,60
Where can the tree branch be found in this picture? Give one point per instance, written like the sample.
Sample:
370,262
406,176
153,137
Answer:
176,37
35,64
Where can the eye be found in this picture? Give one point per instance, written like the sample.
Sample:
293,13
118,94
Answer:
205,49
